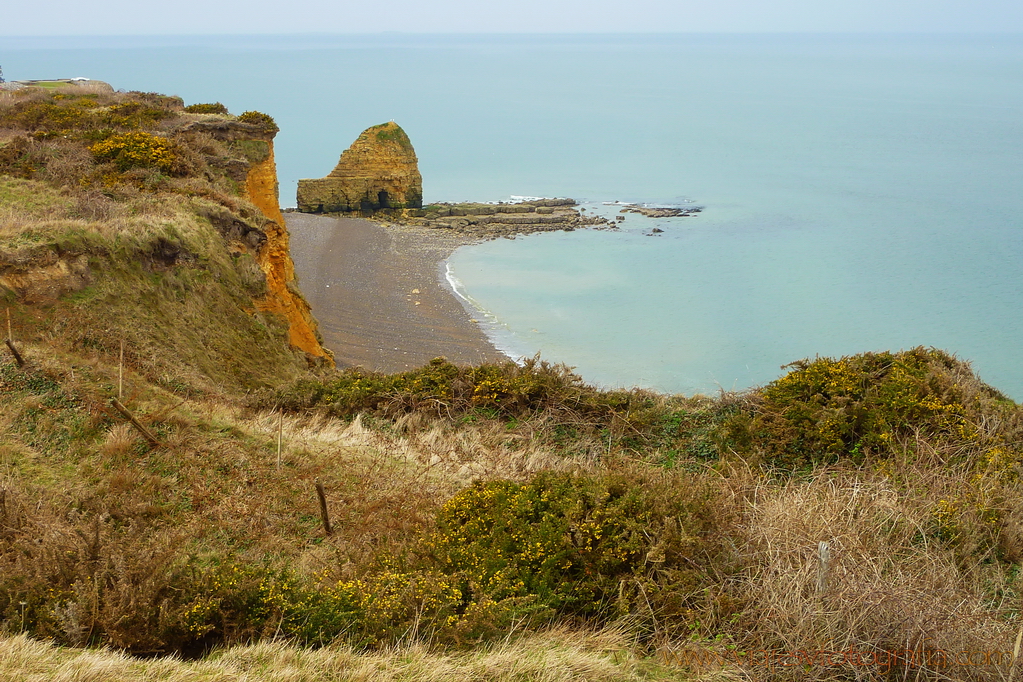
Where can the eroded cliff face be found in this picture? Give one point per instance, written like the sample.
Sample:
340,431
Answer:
274,257
379,171
41,276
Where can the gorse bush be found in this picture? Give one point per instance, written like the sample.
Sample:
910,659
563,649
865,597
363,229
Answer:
592,546
258,118
85,116
133,114
206,108
828,410
235,601
647,546
506,389
136,150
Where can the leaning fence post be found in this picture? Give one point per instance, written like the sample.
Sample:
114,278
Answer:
14,351
146,433
323,508
10,342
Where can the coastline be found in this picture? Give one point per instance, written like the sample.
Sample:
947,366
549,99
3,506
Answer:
378,293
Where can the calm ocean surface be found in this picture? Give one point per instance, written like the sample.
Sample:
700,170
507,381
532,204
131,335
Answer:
859,192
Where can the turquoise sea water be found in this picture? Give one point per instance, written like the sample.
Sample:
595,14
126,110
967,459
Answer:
859,192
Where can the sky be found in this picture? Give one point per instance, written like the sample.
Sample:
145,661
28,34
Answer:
146,17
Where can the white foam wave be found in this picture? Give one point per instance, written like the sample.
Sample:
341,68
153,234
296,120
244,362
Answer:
491,324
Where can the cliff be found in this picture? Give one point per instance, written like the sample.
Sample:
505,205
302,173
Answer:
130,218
379,171
274,258
252,141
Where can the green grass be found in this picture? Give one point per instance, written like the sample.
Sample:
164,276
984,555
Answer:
25,198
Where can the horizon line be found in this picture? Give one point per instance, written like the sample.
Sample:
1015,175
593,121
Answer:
1016,32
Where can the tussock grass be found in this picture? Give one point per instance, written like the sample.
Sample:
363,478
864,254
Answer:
889,586
548,657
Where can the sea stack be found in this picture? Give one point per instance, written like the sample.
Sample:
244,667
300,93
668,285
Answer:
379,171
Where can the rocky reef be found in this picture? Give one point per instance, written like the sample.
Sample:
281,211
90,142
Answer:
489,221
379,171
663,212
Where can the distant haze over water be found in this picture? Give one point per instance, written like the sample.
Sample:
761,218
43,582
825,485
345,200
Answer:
859,192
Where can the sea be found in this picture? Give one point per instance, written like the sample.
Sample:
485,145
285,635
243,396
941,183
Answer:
858,192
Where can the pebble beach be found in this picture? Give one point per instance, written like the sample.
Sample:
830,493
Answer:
378,293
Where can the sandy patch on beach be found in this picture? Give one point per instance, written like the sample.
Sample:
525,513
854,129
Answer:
377,294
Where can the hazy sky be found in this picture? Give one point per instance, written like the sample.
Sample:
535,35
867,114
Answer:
112,17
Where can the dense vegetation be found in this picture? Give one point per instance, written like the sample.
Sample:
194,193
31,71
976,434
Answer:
469,505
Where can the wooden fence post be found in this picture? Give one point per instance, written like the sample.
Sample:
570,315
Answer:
280,437
14,351
146,433
823,564
10,342
323,508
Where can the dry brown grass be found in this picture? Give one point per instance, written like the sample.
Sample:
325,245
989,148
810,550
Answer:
890,581
553,656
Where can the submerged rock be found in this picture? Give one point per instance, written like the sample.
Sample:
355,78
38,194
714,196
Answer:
662,212
379,171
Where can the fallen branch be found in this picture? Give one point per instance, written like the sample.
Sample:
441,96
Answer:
146,433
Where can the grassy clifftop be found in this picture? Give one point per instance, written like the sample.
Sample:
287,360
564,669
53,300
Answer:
867,505
125,217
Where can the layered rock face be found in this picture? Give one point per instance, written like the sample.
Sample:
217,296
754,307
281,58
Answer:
379,171
275,260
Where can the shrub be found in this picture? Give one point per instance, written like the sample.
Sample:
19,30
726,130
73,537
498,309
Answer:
598,546
206,108
235,601
133,115
826,410
17,158
508,389
136,150
45,118
258,118
387,603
